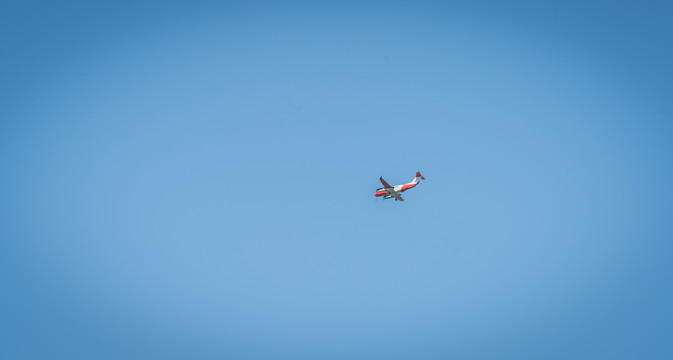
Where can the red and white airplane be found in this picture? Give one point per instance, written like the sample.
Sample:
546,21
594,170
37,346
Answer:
388,191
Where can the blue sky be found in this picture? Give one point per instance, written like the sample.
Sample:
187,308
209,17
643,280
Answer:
196,180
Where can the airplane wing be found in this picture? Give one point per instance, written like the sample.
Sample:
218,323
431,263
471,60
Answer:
399,198
385,184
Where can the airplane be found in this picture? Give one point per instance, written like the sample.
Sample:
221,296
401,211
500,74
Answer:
388,191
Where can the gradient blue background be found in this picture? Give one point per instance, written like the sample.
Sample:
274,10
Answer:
195,181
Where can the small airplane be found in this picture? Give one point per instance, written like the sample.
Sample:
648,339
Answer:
388,191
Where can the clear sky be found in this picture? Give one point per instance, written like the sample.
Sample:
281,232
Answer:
195,180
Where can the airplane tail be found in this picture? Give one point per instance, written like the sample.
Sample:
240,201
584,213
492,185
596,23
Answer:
418,178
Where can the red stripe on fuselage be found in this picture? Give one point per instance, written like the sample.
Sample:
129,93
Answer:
407,187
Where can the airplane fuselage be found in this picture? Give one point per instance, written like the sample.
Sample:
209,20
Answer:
391,192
